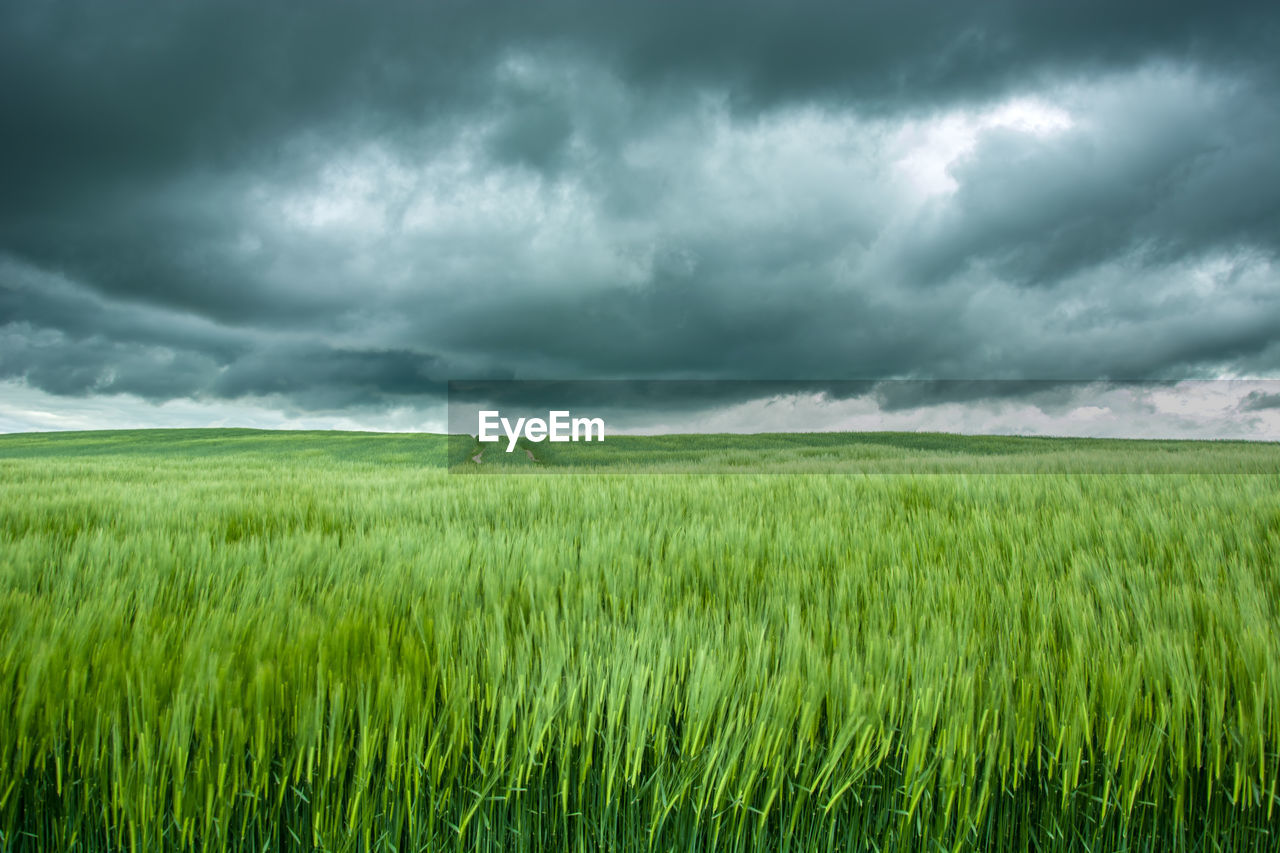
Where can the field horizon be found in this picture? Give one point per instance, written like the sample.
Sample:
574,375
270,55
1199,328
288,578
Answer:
612,436
778,452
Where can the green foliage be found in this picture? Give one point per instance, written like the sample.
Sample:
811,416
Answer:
253,641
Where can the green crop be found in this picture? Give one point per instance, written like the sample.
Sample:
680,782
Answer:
246,641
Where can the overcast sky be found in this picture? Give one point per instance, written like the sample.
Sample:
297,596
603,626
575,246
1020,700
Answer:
260,214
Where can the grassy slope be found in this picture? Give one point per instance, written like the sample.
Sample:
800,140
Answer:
806,452
229,638
384,448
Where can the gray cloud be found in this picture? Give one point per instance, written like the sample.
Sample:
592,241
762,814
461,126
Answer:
1257,401
216,201
1165,166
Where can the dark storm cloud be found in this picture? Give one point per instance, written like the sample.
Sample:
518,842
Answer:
1167,167
343,208
1257,401
617,399
605,397
314,376
327,377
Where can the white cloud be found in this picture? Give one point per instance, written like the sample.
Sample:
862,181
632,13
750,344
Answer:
1187,410
929,147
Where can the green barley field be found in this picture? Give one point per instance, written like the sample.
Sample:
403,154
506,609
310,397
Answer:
238,640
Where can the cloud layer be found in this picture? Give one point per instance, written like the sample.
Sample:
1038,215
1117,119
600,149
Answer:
231,205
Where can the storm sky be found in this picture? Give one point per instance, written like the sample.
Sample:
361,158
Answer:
262,214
